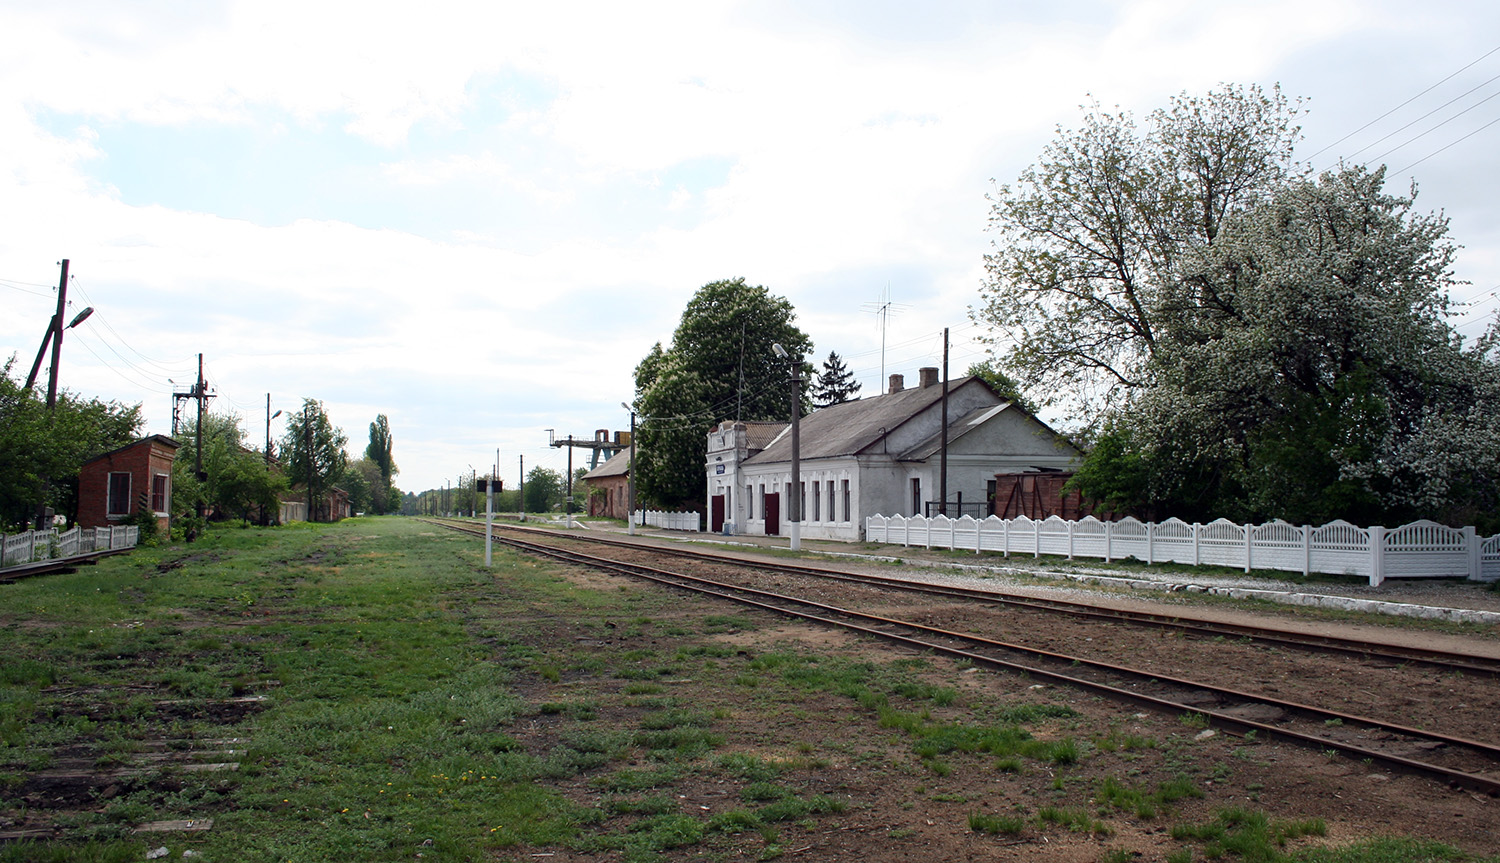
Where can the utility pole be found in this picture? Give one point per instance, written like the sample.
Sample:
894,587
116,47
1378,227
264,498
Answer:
200,392
794,491
522,486
630,468
307,444
943,459
54,338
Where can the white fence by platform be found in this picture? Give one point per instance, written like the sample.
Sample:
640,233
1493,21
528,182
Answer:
668,520
37,545
1422,549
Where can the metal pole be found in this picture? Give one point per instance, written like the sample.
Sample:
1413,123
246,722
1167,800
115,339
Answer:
569,481
796,504
489,521
522,487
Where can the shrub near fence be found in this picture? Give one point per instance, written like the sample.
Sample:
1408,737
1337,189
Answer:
1422,549
35,545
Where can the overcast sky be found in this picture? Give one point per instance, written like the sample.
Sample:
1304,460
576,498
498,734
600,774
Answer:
476,218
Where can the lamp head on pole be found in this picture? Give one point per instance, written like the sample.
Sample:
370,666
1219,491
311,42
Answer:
82,316
780,351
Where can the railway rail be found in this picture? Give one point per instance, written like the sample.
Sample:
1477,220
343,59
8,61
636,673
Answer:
1391,654
1456,760
56,564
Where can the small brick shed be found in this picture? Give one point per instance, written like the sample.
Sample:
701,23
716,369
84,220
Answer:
110,486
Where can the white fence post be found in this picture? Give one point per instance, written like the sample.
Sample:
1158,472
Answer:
1109,545
1249,544
1476,563
1377,556
1306,550
1197,550
1150,542
1070,539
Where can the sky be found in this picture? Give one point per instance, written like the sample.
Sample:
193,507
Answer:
477,217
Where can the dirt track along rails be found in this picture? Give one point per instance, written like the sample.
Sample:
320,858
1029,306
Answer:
1451,759
1391,654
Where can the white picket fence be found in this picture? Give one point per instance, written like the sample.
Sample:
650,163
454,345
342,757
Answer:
35,545
668,520
1422,549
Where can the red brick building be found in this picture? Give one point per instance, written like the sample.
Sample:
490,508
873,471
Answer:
114,485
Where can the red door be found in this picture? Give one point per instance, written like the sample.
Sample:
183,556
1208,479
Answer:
773,514
716,513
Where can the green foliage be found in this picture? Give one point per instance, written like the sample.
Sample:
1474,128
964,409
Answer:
1003,384
720,366
239,484
41,452
313,452
544,489
384,497
835,384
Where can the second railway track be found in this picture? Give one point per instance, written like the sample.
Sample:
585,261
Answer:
1456,759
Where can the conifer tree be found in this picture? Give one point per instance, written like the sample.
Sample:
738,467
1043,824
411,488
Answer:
835,384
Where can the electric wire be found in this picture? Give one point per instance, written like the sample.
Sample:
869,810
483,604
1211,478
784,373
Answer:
1404,104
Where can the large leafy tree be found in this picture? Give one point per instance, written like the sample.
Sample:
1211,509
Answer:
1309,372
544,489
720,365
41,451
383,497
835,383
313,451
1090,237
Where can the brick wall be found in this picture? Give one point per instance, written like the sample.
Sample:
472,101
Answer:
142,460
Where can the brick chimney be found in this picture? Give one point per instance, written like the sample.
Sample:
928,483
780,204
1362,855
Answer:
898,383
928,377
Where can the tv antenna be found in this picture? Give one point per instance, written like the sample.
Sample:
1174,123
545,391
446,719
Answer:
883,308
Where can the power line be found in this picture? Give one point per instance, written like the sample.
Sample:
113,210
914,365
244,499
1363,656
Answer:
1446,146
1403,104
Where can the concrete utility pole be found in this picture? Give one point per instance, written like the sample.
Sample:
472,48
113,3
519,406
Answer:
794,505
943,459
522,486
630,468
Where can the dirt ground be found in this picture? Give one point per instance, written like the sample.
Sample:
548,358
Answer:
900,806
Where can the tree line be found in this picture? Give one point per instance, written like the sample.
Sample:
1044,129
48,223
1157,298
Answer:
41,452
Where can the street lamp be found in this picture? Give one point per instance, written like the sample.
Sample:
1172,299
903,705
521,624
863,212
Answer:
630,473
794,506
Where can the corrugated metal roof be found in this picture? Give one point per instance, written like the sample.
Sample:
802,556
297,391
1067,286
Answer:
848,428
616,465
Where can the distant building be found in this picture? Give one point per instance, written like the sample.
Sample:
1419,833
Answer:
878,455
111,487
609,486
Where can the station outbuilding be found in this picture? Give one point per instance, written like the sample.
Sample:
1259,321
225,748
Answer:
112,486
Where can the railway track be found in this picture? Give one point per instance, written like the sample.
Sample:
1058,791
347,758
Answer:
1447,662
1456,760
60,564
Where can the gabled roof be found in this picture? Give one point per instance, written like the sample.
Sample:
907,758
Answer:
156,439
854,427
971,421
616,465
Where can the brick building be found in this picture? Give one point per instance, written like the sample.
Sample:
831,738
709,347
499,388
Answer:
112,486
